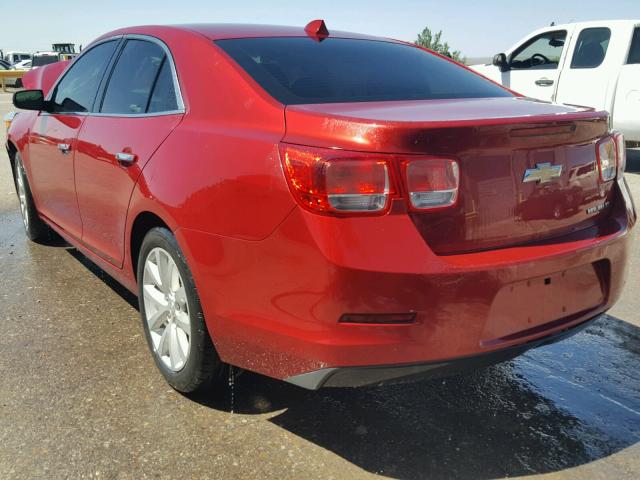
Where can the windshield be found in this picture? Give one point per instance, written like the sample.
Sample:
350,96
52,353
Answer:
300,70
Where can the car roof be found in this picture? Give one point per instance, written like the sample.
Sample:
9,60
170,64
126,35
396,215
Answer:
220,31
598,23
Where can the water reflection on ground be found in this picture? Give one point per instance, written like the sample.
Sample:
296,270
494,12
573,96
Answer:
557,407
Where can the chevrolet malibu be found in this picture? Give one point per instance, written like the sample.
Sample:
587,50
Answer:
326,208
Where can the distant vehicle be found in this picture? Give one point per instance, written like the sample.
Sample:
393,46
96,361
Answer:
23,65
595,64
301,212
16,57
9,81
66,51
44,58
58,52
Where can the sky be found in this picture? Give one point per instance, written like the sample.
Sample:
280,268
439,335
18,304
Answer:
477,28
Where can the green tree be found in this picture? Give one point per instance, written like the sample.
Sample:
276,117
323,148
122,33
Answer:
434,42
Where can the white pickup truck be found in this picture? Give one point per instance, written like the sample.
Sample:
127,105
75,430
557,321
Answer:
595,64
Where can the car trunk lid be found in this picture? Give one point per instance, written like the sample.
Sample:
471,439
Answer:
528,169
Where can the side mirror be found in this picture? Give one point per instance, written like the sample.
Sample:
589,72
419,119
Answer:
29,100
500,61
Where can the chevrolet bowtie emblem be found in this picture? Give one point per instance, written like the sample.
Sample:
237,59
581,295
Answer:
543,173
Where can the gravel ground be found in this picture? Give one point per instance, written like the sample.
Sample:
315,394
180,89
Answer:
81,398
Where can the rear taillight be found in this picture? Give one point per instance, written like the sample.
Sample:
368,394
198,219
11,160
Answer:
432,183
621,151
357,185
335,181
354,183
606,155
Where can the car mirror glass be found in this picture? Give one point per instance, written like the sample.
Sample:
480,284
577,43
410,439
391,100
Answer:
29,100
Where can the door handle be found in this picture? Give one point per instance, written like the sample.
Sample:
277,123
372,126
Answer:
64,147
125,159
544,82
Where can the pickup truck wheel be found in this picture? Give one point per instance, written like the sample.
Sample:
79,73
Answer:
172,316
35,228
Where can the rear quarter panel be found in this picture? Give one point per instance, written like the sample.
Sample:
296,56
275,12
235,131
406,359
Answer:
219,171
217,178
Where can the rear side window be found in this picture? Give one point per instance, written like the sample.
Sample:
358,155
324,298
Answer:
299,70
634,51
77,89
163,98
591,48
133,77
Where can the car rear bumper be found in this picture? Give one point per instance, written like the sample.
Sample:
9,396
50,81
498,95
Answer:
388,374
274,306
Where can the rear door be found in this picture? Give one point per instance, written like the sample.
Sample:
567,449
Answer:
139,106
589,70
52,142
534,67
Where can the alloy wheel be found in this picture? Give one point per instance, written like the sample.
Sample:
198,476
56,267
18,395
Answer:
22,194
166,309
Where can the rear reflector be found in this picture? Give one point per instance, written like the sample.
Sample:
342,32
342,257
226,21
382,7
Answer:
379,318
606,154
432,183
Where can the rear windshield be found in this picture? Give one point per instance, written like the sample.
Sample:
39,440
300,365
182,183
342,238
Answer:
301,70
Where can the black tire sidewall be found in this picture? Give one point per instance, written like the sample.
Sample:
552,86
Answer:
194,374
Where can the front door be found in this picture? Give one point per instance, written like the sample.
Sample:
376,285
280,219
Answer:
534,67
52,146
138,110
53,139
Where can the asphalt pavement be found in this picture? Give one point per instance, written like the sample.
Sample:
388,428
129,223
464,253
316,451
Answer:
80,396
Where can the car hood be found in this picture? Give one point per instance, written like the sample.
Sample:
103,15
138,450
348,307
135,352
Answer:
44,77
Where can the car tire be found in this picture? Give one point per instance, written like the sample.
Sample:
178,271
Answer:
172,316
36,230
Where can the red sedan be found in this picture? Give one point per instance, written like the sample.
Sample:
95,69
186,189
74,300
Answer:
326,208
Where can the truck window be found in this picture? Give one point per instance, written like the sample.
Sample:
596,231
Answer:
540,53
591,47
634,51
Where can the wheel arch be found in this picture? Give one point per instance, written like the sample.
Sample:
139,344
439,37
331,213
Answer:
142,224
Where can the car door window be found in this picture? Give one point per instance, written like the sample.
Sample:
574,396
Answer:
591,48
540,53
77,89
163,98
133,78
634,51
